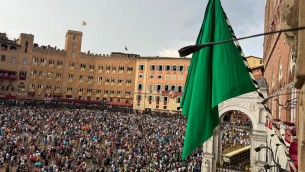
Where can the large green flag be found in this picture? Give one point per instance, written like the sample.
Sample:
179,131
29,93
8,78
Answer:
216,73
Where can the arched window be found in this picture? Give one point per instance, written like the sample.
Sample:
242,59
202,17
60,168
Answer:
3,47
26,46
13,48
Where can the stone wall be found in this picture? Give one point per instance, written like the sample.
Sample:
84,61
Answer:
300,78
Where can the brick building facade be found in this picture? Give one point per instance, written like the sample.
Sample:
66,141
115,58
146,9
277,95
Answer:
280,54
30,71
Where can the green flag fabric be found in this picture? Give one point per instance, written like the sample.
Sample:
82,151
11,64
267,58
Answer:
216,73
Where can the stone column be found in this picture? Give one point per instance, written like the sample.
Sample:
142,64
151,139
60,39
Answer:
208,157
258,159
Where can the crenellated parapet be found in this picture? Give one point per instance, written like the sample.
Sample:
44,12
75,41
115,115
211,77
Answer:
49,50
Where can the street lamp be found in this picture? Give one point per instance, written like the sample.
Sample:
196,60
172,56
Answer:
268,98
267,166
269,145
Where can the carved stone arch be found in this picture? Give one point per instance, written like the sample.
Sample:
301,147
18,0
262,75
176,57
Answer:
243,109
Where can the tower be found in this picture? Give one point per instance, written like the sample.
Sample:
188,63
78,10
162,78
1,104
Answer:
73,43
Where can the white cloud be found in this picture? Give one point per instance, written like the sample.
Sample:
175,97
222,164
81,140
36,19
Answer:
169,53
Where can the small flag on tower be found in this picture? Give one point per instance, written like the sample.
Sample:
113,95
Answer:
83,23
126,49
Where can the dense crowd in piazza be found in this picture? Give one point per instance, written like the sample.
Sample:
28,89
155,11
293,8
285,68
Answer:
51,137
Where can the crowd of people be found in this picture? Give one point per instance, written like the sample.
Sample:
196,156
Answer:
36,138
236,134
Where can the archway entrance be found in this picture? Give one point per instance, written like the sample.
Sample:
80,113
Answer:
235,141
241,119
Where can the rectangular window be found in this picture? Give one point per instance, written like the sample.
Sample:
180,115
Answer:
22,74
261,62
99,79
159,87
167,77
59,63
127,93
32,85
90,78
49,87
150,98
121,68
71,76
178,100
139,97
100,67
35,59
83,66
141,67
168,67
58,75
91,66
139,86
153,67
73,54
105,91
13,59
164,107
173,88
160,68
174,68
108,67
165,99
120,80
81,77
129,69
107,80
42,61
128,81
179,89
174,77
180,68
151,87
180,77
166,87
40,86
113,68
24,61
98,91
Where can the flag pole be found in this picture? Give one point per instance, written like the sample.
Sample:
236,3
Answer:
193,48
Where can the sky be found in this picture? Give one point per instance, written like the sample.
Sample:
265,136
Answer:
145,27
